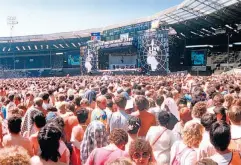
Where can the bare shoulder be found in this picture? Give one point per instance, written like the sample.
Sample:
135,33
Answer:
35,160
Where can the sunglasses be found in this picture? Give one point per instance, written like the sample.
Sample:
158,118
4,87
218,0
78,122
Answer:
138,155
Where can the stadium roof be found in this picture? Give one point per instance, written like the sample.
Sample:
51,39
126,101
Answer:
191,16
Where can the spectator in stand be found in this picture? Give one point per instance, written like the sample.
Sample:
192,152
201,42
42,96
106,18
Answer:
117,139
14,155
206,149
148,119
234,115
161,139
134,125
198,111
95,136
39,122
49,142
183,152
78,134
220,137
120,118
141,153
14,138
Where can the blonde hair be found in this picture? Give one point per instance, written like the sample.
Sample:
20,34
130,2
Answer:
120,161
14,155
192,134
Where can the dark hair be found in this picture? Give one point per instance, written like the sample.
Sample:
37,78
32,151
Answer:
11,97
52,109
39,119
207,120
44,95
222,111
109,103
14,124
71,97
108,96
220,135
118,136
48,139
182,101
82,115
134,124
141,103
159,100
163,118
77,100
103,90
58,121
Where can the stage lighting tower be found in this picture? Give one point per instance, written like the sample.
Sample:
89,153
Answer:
12,21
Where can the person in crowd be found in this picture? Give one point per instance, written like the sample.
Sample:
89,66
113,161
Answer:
183,152
228,100
109,109
27,124
63,144
155,111
39,122
11,104
45,97
140,152
90,95
148,119
14,155
95,136
206,149
49,142
119,119
234,115
161,139
84,103
220,136
185,116
198,111
220,113
77,103
118,138
120,161
14,138
134,125
77,135
218,101
99,112
206,161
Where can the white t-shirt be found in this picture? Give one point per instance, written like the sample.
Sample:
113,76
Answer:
222,159
188,157
235,131
206,149
162,147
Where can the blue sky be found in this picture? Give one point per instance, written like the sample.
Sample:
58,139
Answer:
50,16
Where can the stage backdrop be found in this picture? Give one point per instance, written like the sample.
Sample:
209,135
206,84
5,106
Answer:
128,60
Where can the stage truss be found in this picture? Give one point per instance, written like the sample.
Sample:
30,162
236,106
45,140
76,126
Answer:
153,51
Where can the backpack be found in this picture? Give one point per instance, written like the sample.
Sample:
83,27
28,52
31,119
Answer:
178,155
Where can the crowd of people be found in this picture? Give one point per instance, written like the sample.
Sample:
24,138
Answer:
121,120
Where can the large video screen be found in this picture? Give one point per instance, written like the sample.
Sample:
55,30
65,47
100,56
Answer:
73,59
198,57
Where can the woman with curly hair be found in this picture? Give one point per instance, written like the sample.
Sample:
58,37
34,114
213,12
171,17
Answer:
183,152
140,152
49,142
117,139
